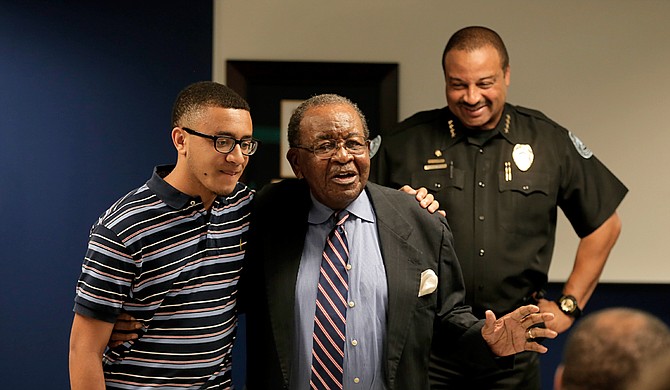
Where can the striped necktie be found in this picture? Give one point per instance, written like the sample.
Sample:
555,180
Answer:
331,310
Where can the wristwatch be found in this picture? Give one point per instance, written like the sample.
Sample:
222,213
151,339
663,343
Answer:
568,305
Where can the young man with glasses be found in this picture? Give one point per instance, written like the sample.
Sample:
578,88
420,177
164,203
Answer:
169,253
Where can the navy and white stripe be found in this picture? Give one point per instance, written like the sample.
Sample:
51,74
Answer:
160,256
331,310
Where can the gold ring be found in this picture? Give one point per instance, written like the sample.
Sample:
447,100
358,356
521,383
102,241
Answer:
530,334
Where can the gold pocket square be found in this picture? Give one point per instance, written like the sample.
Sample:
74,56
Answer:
428,282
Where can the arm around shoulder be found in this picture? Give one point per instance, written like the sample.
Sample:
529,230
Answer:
88,339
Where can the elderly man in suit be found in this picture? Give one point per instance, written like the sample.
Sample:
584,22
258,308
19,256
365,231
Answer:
348,284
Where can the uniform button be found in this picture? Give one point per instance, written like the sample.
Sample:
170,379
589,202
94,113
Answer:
481,217
437,185
351,304
481,184
357,379
192,203
348,267
481,252
481,151
354,342
525,188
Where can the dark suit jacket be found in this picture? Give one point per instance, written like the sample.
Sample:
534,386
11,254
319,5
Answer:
411,241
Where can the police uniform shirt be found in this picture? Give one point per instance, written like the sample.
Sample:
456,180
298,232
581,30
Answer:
501,189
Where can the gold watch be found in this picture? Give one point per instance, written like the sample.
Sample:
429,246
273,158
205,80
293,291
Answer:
568,305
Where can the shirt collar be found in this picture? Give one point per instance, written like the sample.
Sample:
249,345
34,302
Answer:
360,207
504,127
164,191
172,196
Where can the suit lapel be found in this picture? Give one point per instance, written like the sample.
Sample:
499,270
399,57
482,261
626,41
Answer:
401,261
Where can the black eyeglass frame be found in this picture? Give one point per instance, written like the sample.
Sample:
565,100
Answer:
253,146
338,144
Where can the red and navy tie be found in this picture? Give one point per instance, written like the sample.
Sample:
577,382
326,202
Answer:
331,310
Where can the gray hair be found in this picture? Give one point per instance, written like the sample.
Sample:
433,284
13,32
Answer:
318,101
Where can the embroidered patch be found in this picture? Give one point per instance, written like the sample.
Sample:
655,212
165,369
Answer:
579,145
375,143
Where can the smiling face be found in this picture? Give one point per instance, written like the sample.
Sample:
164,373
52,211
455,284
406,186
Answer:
476,86
201,170
339,180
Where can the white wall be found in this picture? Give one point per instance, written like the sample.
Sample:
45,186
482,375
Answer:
601,68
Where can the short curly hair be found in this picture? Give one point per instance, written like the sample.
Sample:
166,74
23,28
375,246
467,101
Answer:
609,348
473,38
318,101
202,94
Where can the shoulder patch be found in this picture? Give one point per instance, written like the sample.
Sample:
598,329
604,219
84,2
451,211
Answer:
582,149
375,143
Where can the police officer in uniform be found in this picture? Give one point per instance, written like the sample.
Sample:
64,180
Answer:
500,171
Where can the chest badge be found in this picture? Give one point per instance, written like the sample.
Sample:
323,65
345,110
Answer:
523,156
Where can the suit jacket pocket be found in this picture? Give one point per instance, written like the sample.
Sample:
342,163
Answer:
427,301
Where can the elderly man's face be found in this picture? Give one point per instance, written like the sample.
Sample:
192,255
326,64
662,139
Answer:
339,180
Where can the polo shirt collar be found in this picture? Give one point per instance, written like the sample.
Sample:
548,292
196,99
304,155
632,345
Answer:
165,192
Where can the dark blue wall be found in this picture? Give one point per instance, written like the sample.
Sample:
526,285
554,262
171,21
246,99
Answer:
86,91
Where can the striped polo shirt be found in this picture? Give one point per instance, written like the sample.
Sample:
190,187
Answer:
158,255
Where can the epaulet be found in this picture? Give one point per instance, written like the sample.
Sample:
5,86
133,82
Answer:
416,119
534,114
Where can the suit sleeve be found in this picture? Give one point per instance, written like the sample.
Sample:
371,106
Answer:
457,330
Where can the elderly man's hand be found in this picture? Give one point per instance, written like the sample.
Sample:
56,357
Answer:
425,199
515,332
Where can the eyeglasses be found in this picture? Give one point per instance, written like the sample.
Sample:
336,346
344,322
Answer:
226,144
325,149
